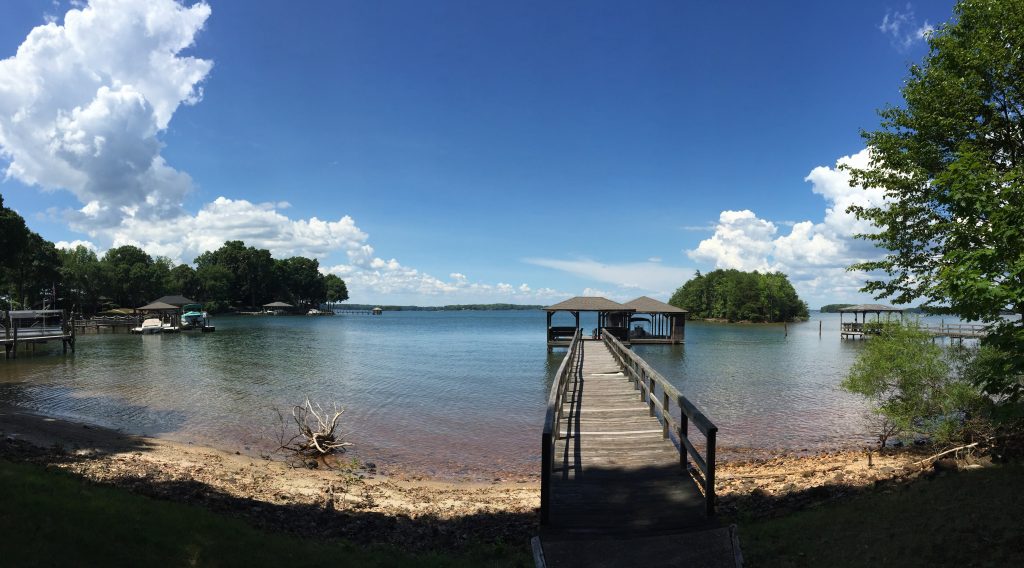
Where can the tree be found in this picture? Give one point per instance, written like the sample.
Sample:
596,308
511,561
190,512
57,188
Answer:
214,286
337,291
81,279
128,275
914,384
183,280
300,280
951,163
740,296
251,269
13,234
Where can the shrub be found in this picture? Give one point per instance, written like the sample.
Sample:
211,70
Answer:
918,386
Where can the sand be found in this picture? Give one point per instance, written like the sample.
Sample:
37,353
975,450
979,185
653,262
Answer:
341,498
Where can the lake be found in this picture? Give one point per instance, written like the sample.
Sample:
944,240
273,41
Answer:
448,394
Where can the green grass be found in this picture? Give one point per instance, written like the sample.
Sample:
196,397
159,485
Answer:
51,518
972,518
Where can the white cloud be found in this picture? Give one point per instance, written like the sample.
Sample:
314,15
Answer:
741,241
903,29
65,245
814,255
633,278
184,237
82,105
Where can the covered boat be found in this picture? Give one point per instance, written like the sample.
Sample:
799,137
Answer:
193,318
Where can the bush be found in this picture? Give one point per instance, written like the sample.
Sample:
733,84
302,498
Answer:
918,386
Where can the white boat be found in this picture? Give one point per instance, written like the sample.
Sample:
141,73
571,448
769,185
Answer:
149,326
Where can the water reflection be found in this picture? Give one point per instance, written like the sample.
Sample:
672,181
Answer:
443,393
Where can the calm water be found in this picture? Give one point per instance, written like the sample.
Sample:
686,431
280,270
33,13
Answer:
439,393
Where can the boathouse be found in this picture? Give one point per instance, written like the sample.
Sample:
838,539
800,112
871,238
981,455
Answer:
656,322
860,326
277,308
177,301
612,316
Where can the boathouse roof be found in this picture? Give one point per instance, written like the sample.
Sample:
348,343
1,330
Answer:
648,305
870,308
158,306
278,305
588,304
176,301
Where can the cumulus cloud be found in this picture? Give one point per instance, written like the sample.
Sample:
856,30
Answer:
815,255
903,28
82,106
71,245
260,225
741,241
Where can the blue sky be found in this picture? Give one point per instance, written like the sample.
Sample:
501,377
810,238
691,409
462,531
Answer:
459,151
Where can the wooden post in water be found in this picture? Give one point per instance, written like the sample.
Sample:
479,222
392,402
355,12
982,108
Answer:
785,326
819,328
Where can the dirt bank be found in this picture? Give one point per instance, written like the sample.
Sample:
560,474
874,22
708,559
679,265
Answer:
351,500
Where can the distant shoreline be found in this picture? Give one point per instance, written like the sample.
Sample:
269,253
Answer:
447,308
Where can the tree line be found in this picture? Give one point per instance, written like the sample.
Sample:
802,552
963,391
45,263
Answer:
735,295
34,273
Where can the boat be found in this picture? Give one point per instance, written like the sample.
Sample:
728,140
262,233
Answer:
149,326
193,318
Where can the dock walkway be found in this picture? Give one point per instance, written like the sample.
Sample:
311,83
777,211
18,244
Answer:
622,481
614,470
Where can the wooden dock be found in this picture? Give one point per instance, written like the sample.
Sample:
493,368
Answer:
615,462
31,328
952,331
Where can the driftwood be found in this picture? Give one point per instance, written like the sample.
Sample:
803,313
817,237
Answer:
949,451
317,435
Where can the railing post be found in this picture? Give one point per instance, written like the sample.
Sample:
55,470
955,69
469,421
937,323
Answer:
664,421
650,395
709,478
547,465
684,432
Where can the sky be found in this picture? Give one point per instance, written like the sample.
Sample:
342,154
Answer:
459,151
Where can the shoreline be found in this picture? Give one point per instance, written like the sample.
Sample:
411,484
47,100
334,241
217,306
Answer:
362,505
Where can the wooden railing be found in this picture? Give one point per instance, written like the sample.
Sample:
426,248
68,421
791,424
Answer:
958,329
649,381
569,369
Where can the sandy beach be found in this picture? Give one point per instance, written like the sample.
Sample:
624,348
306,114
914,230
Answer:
352,500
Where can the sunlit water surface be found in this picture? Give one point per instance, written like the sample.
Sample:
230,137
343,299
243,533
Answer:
438,393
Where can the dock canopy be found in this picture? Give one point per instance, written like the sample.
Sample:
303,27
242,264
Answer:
176,301
664,323
157,307
612,316
860,326
278,305
870,309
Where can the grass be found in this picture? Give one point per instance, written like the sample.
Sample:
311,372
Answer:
49,517
971,518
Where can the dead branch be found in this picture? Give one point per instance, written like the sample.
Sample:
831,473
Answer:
317,427
940,454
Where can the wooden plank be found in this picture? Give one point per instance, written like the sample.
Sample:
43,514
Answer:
614,470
